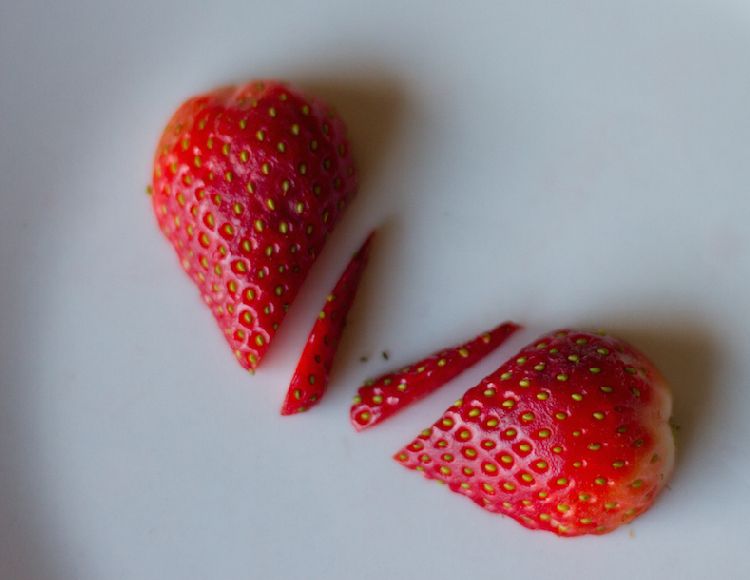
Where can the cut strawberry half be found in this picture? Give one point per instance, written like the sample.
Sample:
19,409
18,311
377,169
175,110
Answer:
378,399
570,436
310,379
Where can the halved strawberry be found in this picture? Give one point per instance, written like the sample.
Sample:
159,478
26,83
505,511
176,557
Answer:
248,182
570,436
310,379
380,398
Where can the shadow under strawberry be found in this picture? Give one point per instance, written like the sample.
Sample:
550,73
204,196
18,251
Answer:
372,107
685,352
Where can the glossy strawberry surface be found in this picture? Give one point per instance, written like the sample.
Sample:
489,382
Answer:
569,436
310,380
379,399
248,182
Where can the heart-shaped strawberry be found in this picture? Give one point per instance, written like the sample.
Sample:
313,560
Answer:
570,436
248,182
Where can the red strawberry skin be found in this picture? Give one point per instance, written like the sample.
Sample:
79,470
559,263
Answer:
310,379
379,399
570,436
248,182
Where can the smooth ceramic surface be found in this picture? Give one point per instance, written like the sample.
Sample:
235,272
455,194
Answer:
558,163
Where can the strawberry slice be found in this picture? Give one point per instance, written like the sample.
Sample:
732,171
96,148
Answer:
378,399
308,385
570,436
248,182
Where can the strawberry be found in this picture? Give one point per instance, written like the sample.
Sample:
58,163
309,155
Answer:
378,399
310,379
570,436
248,182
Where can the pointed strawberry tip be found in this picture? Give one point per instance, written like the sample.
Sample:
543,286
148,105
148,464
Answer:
507,328
297,402
291,409
361,418
363,253
401,457
359,425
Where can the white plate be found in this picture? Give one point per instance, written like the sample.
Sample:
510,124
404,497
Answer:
559,163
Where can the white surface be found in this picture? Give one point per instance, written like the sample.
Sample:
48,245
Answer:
559,163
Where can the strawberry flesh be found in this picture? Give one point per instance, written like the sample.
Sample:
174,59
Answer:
381,398
310,380
570,436
248,182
